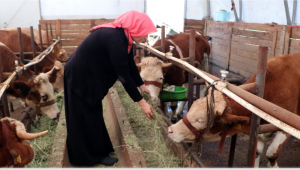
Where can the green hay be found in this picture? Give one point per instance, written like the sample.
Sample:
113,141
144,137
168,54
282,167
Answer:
42,146
148,132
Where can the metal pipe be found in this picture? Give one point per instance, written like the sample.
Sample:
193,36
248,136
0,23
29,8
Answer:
33,48
294,11
192,46
255,120
163,39
287,13
235,14
240,10
27,53
267,128
280,117
5,104
232,150
24,61
25,113
40,34
51,30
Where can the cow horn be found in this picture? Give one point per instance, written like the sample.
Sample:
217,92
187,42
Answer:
22,134
166,65
50,72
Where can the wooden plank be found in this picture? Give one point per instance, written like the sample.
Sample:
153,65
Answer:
243,66
76,27
218,47
282,39
263,27
252,40
58,29
205,28
244,46
72,42
272,52
219,58
229,48
243,53
224,30
277,52
74,36
294,51
194,22
103,21
261,35
295,43
287,40
215,34
248,61
80,21
295,33
74,32
92,23
217,62
220,41
200,27
238,71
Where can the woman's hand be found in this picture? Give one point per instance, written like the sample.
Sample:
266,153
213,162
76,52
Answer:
144,89
146,108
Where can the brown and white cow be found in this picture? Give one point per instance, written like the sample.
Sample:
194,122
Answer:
174,75
35,90
57,54
281,88
15,147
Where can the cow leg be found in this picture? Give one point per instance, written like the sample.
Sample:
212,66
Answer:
275,148
262,138
180,108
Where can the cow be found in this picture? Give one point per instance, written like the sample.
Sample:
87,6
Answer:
10,38
35,90
57,54
172,76
15,150
281,88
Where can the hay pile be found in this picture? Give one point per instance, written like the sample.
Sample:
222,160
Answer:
148,132
42,146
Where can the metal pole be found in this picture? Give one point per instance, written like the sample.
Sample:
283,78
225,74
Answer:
287,13
47,35
240,9
235,14
33,48
162,105
40,34
294,12
232,150
255,120
192,46
24,61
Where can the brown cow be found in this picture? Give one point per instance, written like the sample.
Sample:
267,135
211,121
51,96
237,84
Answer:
58,53
34,89
174,76
15,147
281,88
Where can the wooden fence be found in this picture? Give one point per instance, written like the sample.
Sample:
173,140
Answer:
71,32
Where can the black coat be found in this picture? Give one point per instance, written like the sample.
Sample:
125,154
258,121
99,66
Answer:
90,71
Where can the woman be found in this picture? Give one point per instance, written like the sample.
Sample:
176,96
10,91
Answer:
103,57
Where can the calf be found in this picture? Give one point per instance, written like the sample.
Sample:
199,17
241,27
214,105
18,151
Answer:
228,117
15,147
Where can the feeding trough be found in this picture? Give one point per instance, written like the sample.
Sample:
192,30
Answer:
173,93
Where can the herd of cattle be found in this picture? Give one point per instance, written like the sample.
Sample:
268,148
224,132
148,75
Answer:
281,88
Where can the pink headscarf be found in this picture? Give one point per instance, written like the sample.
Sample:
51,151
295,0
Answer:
134,23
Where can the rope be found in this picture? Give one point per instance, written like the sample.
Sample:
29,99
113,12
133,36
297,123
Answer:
210,107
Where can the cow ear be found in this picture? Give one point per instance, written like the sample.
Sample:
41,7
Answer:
46,69
230,119
137,59
22,87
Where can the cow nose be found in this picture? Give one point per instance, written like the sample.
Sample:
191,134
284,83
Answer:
58,114
154,99
170,131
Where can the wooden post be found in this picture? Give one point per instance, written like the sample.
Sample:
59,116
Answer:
192,45
282,39
287,40
229,49
272,53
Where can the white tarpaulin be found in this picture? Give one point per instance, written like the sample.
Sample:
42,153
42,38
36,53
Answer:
253,11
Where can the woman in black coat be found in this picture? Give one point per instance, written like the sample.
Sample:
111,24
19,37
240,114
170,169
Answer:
103,57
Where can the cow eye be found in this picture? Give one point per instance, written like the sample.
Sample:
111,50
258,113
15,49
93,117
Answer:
161,78
44,97
200,121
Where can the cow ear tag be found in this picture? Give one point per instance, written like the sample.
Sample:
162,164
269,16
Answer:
52,51
237,126
19,159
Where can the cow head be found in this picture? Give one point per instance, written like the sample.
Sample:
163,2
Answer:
62,55
199,119
56,76
152,73
14,145
38,92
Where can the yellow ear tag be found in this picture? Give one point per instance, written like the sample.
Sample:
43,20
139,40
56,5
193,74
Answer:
237,126
19,159
19,90
52,51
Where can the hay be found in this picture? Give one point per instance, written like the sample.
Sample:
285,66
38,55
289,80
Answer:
42,146
148,132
